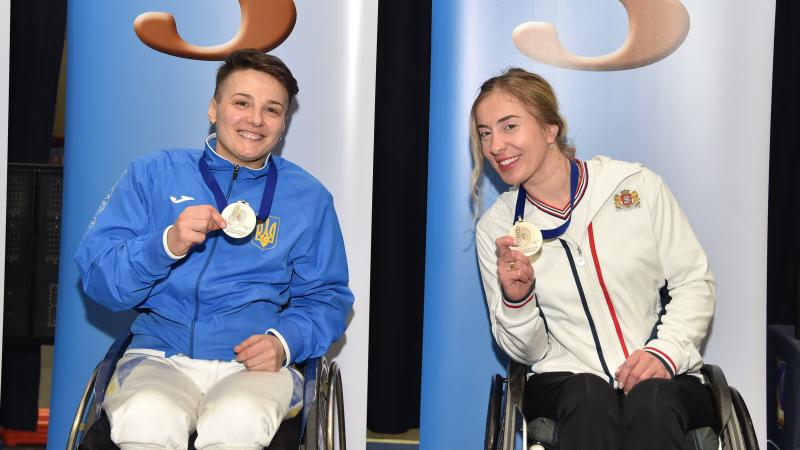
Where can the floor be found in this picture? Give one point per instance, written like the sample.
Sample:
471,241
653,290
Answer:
46,377
405,441
388,446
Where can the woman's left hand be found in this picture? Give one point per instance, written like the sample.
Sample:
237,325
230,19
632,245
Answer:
639,366
261,352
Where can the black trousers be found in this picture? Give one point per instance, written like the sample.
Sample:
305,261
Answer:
591,414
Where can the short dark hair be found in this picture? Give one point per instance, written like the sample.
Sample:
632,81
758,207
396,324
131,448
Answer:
250,58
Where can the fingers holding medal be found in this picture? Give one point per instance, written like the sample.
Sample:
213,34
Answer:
514,269
237,220
509,258
191,227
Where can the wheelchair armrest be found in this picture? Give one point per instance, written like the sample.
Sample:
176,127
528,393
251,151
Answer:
720,394
106,369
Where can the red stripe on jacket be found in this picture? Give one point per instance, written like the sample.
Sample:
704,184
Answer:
605,292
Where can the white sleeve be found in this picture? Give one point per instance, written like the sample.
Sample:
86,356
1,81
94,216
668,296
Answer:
688,314
517,326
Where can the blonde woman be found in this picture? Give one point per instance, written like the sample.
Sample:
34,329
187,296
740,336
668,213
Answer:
610,311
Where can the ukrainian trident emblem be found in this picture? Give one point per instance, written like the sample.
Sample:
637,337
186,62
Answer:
266,235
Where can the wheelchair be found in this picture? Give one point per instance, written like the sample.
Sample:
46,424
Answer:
315,428
506,399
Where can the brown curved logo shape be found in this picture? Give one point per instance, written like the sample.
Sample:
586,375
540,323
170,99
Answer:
265,25
656,28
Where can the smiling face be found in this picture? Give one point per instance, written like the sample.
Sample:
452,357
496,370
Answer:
512,139
249,112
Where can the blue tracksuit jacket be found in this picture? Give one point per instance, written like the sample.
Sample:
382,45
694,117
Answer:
290,275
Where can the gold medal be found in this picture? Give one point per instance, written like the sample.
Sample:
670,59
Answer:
241,219
528,236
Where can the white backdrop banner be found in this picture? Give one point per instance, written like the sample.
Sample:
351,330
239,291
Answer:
125,99
683,87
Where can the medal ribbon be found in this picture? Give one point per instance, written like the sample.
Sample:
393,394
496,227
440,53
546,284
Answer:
522,195
266,197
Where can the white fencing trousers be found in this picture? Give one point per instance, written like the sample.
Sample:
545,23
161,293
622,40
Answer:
153,402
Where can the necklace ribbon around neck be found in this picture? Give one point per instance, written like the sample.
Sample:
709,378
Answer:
221,199
522,195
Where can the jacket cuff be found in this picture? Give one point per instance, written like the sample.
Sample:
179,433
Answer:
292,337
286,348
518,304
667,353
166,247
153,256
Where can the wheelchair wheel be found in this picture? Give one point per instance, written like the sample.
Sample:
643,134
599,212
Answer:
505,404
494,413
325,426
738,432
335,414
83,416
745,423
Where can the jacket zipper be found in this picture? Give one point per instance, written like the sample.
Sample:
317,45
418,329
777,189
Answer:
585,304
205,266
580,260
596,285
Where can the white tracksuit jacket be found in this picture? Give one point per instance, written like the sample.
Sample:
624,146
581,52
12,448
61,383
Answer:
601,287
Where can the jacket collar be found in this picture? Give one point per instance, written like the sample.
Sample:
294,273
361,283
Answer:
605,177
217,163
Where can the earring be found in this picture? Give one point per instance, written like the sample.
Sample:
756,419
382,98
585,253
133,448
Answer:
551,146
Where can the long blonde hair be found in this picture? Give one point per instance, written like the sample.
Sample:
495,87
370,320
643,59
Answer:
537,95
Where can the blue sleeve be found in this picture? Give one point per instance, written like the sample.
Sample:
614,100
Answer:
121,257
319,297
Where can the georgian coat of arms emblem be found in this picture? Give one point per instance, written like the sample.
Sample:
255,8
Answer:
626,199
